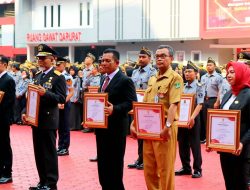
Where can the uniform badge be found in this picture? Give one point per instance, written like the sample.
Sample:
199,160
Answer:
160,95
177,85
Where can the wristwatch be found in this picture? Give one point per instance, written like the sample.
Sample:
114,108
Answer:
168,124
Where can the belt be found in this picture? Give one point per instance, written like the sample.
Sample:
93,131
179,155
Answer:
209,98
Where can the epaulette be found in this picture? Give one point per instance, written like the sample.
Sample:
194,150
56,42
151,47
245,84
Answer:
38,72
199,84
57,72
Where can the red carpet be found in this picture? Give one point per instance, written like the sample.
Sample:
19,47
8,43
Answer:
77,173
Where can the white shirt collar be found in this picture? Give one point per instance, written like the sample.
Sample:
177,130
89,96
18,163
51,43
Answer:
2,73
46,72
111,75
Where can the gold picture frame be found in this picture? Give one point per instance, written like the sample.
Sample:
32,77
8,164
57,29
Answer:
223,130
1,96
93,89
186,109
32,105
94,115
139,95
149,120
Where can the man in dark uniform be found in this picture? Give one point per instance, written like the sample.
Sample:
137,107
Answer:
7,85
189,138
64,110
52,91
111,142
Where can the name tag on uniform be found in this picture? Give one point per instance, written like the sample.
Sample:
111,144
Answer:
156,99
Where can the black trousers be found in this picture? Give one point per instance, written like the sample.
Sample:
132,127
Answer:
110,153
140,151
44,142
64,127
207,104
190,139
235,171
6,157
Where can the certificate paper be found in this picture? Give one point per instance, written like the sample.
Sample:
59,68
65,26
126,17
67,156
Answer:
222,130
32,103
94,115
149,120
184,110
95,110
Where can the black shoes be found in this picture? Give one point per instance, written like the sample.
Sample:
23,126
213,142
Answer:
197,174
62,152
138,165
183,171
87,130
93,159
42,187
4,180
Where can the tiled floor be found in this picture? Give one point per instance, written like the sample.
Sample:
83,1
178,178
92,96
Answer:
77,173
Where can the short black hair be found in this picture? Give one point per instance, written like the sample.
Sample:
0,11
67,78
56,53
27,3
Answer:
116,54
4,59
170,49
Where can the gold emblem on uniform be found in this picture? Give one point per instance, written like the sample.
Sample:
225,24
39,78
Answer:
241,55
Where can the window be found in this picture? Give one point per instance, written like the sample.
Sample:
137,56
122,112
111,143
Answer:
196,56
86,13
52,16
80,14
45,16
59,15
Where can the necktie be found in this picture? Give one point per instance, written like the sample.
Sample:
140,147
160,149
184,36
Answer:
105,84
188,86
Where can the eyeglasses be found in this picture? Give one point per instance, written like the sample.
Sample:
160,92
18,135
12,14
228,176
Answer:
41,58
161,56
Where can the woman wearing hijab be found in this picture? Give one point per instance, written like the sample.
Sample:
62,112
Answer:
235,167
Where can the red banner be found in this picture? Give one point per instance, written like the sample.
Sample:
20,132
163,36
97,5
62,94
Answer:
225,18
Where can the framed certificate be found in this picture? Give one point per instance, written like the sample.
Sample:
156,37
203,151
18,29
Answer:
149,120
1,96
93,89
186,109
32,105
140,96
94,115
223,130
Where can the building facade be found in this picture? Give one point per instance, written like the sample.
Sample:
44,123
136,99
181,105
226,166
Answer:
77,27
7,31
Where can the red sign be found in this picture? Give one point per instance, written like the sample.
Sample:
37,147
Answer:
54,37
225,18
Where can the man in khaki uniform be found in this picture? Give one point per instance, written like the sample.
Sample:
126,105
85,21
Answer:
159,156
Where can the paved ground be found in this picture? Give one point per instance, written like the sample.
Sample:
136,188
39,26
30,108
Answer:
77,173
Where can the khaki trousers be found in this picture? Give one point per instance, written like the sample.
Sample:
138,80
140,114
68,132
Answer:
159,160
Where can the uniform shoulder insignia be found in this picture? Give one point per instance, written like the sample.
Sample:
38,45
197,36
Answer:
38,72
199,84
57,72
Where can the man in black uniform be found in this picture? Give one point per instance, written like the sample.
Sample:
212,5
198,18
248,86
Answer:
52,91
7,85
